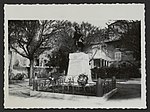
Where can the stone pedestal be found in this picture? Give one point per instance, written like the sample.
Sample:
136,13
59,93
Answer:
78,64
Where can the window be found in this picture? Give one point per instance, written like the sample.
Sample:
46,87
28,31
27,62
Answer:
96,62
117,56
36,62
24,62
45,62
41,62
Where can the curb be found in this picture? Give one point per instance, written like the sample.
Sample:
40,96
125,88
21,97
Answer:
71,97
109,94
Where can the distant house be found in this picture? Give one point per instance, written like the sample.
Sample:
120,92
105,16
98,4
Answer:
40,64
42,60
99,56
19,64
109,54
112,52
120,53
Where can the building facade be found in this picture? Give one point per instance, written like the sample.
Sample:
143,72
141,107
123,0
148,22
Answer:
99,56
18,64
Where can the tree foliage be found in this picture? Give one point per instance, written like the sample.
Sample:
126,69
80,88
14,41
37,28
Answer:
28,37
91,34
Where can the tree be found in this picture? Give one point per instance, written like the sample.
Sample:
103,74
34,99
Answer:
129,34
30,38
59,59
60,56
91,34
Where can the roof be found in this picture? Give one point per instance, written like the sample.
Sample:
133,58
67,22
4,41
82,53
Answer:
112,40
102,55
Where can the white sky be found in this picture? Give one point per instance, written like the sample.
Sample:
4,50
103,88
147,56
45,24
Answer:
98,23
96,14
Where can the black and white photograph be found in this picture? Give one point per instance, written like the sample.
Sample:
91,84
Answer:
74,56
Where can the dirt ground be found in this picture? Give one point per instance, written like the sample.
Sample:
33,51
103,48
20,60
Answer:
127,91
128,95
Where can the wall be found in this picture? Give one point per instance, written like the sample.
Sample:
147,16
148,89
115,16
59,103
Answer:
115,46
17,63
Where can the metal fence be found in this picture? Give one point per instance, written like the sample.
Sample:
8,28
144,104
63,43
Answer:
101,87
109,85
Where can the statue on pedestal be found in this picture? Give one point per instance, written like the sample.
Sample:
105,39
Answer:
78,39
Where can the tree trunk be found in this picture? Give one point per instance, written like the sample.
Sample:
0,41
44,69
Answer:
10,63
31,72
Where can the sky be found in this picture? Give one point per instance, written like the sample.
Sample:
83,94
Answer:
96,14
98,23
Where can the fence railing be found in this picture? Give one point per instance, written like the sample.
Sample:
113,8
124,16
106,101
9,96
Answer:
101,87
105,85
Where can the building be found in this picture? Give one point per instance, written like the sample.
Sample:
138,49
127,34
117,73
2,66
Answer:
113,51
118,48
99,56
119,54
19,64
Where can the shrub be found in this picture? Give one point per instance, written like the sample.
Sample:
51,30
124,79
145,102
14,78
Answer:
11,76
19,76
119,72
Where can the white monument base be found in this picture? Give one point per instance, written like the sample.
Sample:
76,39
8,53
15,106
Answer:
78,64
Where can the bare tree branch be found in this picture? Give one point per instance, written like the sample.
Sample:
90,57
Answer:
23,47
19,52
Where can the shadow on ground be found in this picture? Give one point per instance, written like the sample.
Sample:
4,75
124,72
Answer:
127,91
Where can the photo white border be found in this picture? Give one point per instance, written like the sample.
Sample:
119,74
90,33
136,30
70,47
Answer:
94,12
